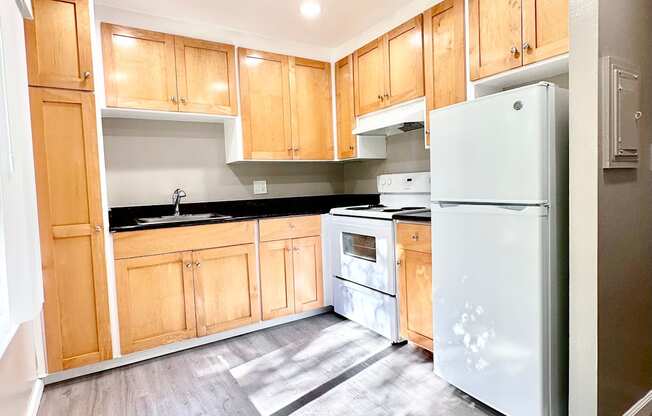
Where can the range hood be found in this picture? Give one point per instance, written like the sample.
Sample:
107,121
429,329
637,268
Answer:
397,119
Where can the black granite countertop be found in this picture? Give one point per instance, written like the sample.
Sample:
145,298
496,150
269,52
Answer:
415,217
125,218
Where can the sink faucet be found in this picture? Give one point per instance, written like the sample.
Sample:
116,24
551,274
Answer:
176,200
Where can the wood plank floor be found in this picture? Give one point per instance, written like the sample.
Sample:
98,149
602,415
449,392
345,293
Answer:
323,365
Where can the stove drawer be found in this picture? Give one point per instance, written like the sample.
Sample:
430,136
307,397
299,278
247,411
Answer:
371,309
290,227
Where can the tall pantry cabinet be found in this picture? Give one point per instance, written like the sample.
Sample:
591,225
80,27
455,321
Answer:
66,164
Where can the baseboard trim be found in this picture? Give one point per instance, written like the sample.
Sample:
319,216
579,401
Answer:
35,398
177,346
642,407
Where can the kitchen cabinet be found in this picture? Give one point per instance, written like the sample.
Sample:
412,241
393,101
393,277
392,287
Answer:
265,98
205,76
286,107
155,300
346,140
389,70
66,163
506,34
226,288
179,283
291,266
415,283
545,29
311,108
158,71
58,45
444,54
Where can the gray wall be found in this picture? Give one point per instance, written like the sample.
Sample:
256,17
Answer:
405,153
146,160
625,230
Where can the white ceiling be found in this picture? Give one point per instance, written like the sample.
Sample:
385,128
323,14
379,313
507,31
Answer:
340,20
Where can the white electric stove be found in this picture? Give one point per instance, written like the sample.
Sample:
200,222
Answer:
364,259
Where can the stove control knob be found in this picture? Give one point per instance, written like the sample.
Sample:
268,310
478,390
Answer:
389,181
383,181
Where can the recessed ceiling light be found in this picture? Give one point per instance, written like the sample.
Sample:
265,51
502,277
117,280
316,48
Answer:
310,9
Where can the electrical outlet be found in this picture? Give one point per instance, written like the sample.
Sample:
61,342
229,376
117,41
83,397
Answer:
260,187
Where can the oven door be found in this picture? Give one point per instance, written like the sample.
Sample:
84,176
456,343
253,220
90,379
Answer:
363,252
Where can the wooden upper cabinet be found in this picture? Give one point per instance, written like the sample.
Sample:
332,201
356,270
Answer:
226,288
156,300
276,278
66,163
346,140
495,36
369,77
404,60
312,117
545,29
445,56
265,96
389,70
205,76
308,280
59,45
139,68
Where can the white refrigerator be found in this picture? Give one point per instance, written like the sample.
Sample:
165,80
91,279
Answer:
499,169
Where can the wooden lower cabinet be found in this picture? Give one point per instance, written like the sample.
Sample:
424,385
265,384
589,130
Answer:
291,276
226,288
308,279
276,278
415,284
66,165
156,300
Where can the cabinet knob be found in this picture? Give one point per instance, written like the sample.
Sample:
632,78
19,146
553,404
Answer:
183,100
291,226
296,249
98,228
398,262
173,99
197,264
351,147
387,96
514,50
188,265
87,75
526,46
296,149
415,237
380,97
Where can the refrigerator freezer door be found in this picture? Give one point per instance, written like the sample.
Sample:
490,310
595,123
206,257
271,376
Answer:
493,149
489,273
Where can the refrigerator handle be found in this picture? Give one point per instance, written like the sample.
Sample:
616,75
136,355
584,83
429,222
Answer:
448,204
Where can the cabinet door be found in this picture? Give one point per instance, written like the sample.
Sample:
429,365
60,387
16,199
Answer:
226,288
495,36
265,98
369,77
66,166
346,141
312,117
308,282
444,53
156,301
205,76
58,45
404,57
415,297
276,278
545,29
139,68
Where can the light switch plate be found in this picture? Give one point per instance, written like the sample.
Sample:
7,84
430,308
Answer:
621,114
260,187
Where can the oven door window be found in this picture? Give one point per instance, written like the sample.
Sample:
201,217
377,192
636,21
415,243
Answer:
359,246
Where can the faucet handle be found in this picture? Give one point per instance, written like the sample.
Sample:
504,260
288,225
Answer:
179,193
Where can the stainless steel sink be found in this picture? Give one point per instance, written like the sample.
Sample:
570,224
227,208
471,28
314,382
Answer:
180,218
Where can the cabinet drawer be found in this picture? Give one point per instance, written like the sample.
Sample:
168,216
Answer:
170,240
290,227
414,237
